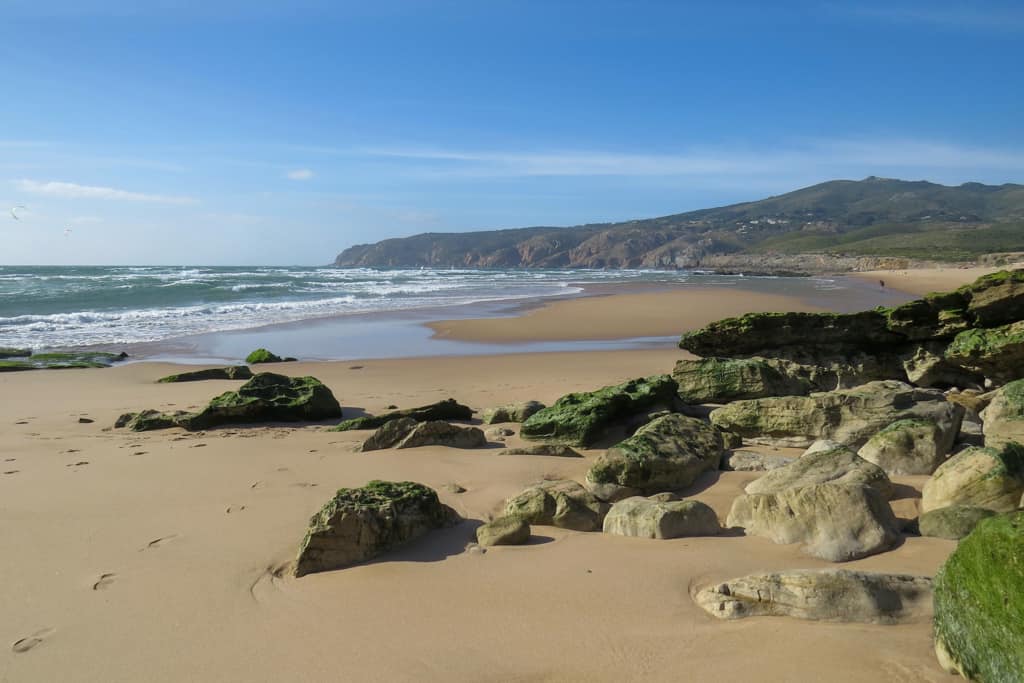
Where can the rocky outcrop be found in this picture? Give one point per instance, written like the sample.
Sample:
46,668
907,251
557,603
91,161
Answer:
230,372
982,477
580,419
406,432
546,449
645,518
721,380
833,522
849,416
953,522
832,466
668,453
503,531
59,361
512,412
996,353
560,503
914,446
836,595
1003,419
448,409
979,602
359,524
267,397
11,352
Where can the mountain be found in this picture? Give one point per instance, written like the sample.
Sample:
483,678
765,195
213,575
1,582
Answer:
833,224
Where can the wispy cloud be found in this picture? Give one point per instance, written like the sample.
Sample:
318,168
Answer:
62,190
972,16
299,174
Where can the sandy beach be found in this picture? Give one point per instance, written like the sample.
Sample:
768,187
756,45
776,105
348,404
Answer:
160,556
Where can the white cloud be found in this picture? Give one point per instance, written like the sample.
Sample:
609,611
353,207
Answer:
299,174
63,190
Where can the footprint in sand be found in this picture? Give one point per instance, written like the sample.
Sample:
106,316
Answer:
21,422
198,445
104,581
257,485
158,542
29,642
77,464
303,484
9,459
12,471
233,508
140,452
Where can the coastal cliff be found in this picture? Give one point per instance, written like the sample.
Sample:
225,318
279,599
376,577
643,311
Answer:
839,225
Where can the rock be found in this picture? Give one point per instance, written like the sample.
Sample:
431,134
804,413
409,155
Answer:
503,531
838,595
926,366
359,524
983,477
561,503
499,434
849,416
721,380
452,487
408,433
85,420
997,353
9,352
730,440
580,419
822,445
61,361
549,449
914,446
953,522
264,356
666,454
836,466
834,522
448,409
979,602
646,518
267,397
230,372
513,412
751,461
1003,419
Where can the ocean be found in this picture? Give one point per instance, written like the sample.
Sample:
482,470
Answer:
55,307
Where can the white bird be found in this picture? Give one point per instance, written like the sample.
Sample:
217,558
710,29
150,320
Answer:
14,212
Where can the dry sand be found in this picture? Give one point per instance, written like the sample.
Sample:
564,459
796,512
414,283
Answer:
926,280
158,556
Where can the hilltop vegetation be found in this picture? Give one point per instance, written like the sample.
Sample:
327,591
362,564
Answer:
874,217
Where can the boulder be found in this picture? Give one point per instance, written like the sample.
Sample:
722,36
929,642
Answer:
979,602
996,353
513,412
646,518
666,454
10,352
560,503
448,409
503,531
952,522
230,372
61,361
408,433
983,477
926,366
580,419
838,465
849,416
752,461
264,356
833,522
913,446
267,397
1003,419
549,449
359,524
838,595
721,380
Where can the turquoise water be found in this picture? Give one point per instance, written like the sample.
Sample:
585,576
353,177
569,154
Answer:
59,307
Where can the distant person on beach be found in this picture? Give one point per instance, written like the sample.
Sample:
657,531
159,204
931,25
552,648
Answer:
882,283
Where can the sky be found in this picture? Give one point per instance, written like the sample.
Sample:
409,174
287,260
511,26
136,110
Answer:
251,132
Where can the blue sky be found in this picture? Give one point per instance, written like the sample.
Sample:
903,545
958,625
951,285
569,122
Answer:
230,132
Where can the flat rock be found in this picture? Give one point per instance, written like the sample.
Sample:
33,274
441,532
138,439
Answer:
645,518
721,380
230,372
549,449
981,477
562,503
837,595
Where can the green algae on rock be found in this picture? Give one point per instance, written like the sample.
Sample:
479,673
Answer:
979,603
264,356
358,524
62,361
448,409
1004,416
10,352
579,419
230,372
720,380
997,352
952,522
984,477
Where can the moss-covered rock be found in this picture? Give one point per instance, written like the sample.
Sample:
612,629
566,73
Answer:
979,603
62,361
230,372
579,419
953,522
721,380
983,477
448,409
912,446
1004,416
361,523
998,353
267,397
666,454
264,356
10,352
560,503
